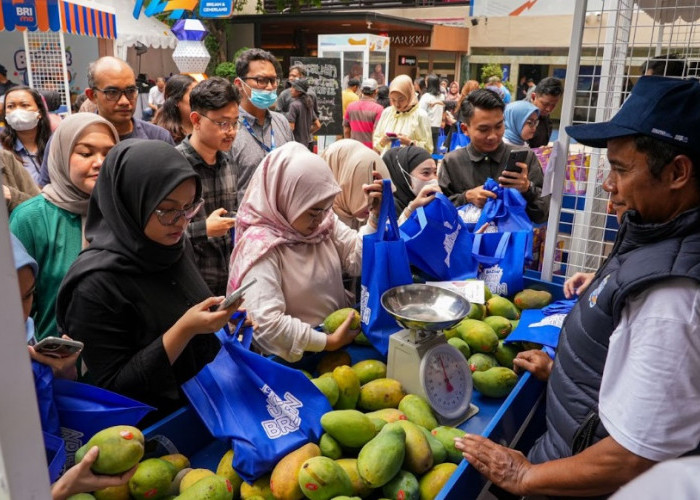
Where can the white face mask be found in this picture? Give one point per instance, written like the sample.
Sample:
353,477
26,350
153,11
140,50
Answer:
21,119
418,184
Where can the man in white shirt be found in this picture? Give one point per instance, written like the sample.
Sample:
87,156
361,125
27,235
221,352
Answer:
156,98
624,390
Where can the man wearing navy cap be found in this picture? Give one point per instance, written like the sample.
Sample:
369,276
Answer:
624,390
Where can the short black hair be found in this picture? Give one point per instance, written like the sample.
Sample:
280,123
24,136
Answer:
668,65
244,60
483,99
450,105
420,81
549,86
432,84
52,98
212,94
353,82
660,153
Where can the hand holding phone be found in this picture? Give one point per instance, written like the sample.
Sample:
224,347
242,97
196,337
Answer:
391,135
237,294
57,347
515,156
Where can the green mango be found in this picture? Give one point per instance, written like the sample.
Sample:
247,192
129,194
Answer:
419,456
379,394
500,325
151,480
378,423
81,496
446,436
349,386
418,411
329,388
321,478
381,459
121,447
369,369
439,451
476,311
225,469
500,306
461,346
532,299
258,490
480,362
389,415
284,479
359,488
478,335
350,428
361,339
336,318
505,354
404,486
209,488
330,447
495,382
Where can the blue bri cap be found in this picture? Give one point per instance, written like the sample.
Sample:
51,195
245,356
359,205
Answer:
667,109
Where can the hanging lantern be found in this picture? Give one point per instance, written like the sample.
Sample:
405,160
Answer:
190,55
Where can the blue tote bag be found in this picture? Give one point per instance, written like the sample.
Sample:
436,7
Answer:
458,139
507,212
384,266
264,409
502,260
438,242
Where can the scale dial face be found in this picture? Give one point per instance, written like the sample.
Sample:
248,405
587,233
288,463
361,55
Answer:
447,381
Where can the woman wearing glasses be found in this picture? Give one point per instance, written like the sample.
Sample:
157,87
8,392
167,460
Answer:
50,226
521,119
289,239
135,296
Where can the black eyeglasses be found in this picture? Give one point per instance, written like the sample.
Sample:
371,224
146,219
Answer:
112,94
169,217
224,126
264,81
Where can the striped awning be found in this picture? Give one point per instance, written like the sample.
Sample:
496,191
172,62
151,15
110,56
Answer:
50,15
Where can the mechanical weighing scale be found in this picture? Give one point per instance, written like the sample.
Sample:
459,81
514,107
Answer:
419,355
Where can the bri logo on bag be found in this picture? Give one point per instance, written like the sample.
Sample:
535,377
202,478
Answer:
449,242
492,277
284,413
364,304
593,297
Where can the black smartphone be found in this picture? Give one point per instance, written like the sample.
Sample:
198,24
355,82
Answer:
515,156
237,294
57,347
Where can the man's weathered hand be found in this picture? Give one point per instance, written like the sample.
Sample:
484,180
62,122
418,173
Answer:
536,362
503,466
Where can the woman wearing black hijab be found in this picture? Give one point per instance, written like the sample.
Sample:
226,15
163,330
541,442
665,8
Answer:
134,297
414,174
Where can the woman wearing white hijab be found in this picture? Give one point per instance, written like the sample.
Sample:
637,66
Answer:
51,225
290,240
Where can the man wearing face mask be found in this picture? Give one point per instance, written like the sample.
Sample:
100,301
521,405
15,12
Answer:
261,130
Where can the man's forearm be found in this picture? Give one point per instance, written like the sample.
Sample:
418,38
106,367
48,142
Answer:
598,470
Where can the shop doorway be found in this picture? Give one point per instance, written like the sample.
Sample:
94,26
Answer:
535,71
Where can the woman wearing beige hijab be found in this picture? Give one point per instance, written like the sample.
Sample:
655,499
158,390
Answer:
403,123
290,241
50,226
352,164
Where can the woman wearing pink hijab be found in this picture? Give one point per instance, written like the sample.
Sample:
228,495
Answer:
290,240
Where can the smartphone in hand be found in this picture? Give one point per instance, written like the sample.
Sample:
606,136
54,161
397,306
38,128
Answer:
57,347
515,156
391,135
237,294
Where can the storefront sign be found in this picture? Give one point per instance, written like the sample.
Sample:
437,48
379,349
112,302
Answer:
215,8
23,13
323,74
411,39
407,60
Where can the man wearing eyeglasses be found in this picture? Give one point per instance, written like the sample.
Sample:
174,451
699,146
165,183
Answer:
261,130
112,87
214,116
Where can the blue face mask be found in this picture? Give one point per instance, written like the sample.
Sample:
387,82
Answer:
29,328
262,99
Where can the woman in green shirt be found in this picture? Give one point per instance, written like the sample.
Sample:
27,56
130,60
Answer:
51,225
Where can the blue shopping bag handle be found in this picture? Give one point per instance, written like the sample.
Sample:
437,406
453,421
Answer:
497,256
387,213
226,337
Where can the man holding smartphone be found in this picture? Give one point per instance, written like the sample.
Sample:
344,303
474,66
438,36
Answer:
465,170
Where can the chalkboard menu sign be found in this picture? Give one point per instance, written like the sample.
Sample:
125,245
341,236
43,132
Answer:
323,74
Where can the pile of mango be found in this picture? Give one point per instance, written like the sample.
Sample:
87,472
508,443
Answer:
480,338
122,448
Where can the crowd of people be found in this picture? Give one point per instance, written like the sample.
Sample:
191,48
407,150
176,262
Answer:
131,232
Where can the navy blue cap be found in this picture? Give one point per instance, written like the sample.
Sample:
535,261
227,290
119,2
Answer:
664,108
